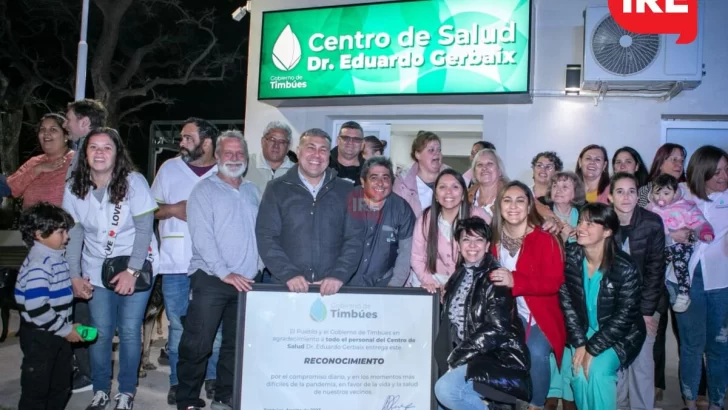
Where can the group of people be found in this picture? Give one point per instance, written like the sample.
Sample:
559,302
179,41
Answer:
557,291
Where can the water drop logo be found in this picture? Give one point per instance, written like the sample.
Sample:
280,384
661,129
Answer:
287,50
318,310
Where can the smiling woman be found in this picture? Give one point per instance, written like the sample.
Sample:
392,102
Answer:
42,177
113,209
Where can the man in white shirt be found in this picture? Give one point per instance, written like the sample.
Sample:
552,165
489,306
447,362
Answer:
171,188
273,162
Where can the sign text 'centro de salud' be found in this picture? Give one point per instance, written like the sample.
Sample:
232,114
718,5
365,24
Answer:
423,47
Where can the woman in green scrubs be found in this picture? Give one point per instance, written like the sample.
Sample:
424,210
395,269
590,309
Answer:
601,301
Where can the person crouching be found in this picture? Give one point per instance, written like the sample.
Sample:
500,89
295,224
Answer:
481,340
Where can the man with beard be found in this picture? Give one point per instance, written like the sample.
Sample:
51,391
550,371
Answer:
273,161
346,157
171,188
307,233
389,225
221,214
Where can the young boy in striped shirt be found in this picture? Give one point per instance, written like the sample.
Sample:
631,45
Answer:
44,296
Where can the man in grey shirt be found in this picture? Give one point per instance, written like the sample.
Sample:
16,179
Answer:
221,214
389,223
81,117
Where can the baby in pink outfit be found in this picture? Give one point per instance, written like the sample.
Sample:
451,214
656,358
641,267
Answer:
677,212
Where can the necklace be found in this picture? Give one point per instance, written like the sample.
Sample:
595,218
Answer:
512,245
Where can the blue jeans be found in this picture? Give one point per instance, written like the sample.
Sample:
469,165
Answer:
540,350
176,292
110,311
453,392
703,329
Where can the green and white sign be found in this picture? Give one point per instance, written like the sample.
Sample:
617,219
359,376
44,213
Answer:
401,48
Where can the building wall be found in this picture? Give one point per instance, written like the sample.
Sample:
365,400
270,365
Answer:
563,124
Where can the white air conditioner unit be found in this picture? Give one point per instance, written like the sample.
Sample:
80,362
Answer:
617,59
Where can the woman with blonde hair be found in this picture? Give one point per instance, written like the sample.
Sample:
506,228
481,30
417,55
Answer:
489,176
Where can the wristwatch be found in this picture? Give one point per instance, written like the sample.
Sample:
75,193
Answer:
133,272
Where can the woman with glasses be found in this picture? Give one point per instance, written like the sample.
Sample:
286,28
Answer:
669,159
544,165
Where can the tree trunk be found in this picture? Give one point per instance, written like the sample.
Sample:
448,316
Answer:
11,122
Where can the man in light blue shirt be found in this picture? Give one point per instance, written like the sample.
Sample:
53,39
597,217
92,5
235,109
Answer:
221,214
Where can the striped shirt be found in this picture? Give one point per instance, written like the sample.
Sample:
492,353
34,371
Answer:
43,290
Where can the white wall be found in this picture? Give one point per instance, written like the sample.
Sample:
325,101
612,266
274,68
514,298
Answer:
562,124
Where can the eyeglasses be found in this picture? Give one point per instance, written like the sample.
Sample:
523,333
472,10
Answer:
275,141
351,140
546,167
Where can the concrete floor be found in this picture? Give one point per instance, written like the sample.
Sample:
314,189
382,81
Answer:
152,391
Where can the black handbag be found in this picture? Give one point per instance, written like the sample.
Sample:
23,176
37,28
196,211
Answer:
112,266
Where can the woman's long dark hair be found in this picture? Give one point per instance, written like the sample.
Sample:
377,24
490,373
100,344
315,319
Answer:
605,216
641,173
118,186
533,218
662,154
434,212
604,179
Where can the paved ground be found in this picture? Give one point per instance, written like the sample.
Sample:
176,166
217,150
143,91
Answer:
152,390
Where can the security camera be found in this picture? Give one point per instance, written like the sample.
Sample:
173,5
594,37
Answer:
239,13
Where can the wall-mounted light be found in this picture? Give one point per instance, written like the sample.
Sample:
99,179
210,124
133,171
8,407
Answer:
240,12
573,79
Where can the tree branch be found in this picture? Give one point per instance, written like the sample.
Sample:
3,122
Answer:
156,100
133,66
193,71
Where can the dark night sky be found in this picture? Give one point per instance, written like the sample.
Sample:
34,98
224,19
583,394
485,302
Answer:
213,100
210,100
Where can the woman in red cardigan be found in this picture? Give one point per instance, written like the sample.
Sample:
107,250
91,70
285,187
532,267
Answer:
533,267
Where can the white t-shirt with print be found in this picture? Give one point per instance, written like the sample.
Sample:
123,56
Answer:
95,217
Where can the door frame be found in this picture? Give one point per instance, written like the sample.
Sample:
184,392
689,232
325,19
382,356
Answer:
687,123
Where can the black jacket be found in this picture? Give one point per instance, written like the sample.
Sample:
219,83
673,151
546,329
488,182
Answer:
647,249
300,235
618,307
493,346
352,173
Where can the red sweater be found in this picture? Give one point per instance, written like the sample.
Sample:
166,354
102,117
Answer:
538,276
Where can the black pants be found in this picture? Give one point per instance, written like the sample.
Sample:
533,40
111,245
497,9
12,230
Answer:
212,301
658,351
45,377
82,315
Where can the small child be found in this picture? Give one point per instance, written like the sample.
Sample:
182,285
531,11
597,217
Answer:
677,213
44,296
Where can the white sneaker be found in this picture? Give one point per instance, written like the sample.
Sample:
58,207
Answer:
124,402
99,402
682,302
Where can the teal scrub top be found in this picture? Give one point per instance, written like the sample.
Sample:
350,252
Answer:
591,290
